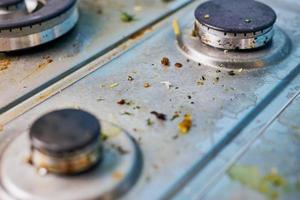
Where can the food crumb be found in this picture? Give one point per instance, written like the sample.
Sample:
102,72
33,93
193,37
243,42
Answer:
113,85
147,85
167,84
130,78
165,61
186,124
178,65
126,17
127,113
149,122
159,116
231,73
121,102
176,115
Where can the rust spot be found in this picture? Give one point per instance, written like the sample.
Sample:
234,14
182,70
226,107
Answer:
4,64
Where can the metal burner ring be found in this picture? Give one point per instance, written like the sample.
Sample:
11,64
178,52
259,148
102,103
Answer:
19,30
236,41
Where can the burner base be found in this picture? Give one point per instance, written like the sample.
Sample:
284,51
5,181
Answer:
274,52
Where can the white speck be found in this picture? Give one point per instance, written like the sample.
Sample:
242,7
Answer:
167,84
42,171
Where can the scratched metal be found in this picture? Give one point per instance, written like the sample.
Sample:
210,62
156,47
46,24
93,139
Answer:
219,107
98,30
277,149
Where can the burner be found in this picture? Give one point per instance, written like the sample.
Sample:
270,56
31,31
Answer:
234,34
29,23
62,154
234,24
66,141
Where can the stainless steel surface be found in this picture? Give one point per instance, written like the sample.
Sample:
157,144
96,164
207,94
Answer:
116,173
99,30
279,145
230,110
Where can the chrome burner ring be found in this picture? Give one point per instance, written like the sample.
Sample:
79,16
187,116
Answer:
231,41
21,30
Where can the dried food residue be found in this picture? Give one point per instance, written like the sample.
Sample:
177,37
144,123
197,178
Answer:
167,84
178,65
149,122
113,85
270,184
231,73
165,61
159,116
4,64
124,102
130,78
127,113
185,125
46,60
175,115
147,85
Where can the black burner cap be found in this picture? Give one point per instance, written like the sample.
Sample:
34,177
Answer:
9,2
64,131
235,16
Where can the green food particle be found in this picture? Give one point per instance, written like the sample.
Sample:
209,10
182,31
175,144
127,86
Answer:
298,185
125,17
103,137
270,184
149,122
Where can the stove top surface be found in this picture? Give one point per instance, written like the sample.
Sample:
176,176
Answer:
175,125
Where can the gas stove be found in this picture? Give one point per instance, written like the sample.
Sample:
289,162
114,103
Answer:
149,100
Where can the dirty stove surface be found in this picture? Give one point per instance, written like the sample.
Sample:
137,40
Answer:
244,139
